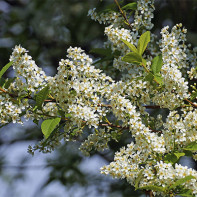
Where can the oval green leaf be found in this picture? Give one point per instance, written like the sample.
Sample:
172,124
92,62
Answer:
181,181
138,179
49,125
41,96
132,57
130,6
154,188
131,46
158,78
4,69
143,42
157,64
191,147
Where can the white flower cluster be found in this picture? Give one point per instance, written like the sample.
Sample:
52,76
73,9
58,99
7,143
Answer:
97,140
174,59
180,130
85,99
115,34
28,75
111,17
127,164
76,87
10,111
143,15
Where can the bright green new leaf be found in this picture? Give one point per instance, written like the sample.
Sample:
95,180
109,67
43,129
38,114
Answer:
186,192
131,46
3,70
178,155
137,181
191,147
187,195
143,42
130,6
158,78
49,125
181,181
193,95
68,115
157,64
149,77
170,158
132,57
41,96
154,188
144,61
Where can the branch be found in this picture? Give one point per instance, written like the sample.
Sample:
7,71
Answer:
123,14
194,105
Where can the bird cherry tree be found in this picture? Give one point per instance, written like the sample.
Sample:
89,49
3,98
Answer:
154,73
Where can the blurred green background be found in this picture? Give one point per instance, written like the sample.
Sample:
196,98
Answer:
46,28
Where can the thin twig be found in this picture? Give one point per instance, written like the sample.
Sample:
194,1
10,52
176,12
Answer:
190,102
123,14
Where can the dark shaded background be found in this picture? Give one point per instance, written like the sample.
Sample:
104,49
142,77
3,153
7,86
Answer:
47,28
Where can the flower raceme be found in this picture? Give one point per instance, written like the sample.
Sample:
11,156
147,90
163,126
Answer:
81,97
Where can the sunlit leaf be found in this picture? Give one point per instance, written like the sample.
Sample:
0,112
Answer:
157,64
131,46
132,57
130,6
154,188
181,181
4,69
191,147
49,125
143,42
41,96
137,181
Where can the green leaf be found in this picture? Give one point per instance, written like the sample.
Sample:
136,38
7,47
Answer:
4,69
158,78
157,64
49,125
144,61
130,6
181,181
143,42
188,153
131,46
68,115
7,83
170,158
132,57
191,147
2,81
61,113
154,188
188,195
193,95
173,157
41,96
186,192
137,181
149,77
178,155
